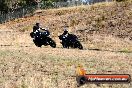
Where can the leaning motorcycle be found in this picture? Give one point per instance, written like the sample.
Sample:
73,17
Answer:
40,39
70,41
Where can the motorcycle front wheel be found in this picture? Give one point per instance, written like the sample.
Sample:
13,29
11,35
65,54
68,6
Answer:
78,45
52,43
37,43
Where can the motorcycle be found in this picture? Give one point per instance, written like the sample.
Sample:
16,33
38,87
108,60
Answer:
70,41
40,39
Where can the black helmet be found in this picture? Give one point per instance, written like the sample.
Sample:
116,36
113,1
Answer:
65,32
37,24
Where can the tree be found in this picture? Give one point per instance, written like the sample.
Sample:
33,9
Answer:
6,5
3,6
57,0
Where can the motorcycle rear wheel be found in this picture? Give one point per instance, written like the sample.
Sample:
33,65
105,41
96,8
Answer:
52,43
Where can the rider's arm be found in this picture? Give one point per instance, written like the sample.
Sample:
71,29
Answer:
48,32
34,28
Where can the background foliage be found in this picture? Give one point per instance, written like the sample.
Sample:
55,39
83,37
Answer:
6,5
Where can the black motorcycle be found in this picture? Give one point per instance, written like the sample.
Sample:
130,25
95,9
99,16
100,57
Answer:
40,39
70,41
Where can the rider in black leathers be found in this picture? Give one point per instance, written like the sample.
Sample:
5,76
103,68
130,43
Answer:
68,39
68,36
65,34
41,36
36,27
38,33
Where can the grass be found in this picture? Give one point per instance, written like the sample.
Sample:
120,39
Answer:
126,50
57,67
25,28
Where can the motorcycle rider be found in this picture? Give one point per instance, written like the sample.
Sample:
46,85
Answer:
36,27
65,40
69,36
65,33
36,30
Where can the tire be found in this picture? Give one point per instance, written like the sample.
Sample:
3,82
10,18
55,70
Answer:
52,43
78,45
65,44
37,44
31,34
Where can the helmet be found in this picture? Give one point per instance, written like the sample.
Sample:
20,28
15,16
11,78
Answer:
37,24
65,29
